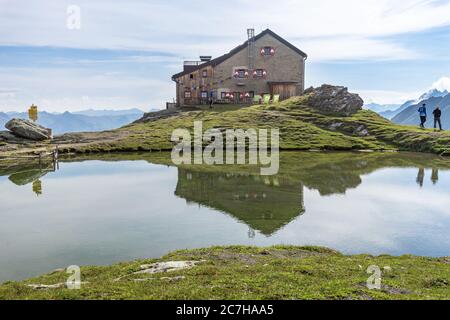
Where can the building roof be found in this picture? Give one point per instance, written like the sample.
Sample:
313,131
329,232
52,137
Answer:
219,60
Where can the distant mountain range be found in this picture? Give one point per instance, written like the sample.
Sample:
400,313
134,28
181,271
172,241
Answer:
379,108
391,111
88,120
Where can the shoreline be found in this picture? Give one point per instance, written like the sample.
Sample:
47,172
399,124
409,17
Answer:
241,272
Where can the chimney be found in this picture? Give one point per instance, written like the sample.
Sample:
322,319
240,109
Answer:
251,48
205,58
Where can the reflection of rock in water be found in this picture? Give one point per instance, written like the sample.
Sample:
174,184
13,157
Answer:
32,175
265,204
26,177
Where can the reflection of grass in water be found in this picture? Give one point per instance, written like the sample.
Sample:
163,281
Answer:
265,204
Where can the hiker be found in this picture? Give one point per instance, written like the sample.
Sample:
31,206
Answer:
211,101
423,115
435,175
420,177
437,117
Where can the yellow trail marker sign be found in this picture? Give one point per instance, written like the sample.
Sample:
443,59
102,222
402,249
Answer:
33,113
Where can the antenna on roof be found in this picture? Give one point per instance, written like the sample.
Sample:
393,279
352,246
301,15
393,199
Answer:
251,48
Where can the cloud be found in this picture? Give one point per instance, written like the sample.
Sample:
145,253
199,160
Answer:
355,48
386,96
61,89
153,37
400,97
189,28
442,84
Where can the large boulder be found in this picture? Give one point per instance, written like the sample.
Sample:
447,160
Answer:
28,130
334,100
8,137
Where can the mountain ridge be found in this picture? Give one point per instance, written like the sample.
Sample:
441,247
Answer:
68,122
390,113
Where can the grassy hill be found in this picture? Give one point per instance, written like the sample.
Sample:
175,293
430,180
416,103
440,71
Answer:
301,128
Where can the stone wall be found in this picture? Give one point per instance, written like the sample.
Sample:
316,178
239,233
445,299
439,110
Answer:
286,65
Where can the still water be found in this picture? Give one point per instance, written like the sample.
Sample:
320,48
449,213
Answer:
105,209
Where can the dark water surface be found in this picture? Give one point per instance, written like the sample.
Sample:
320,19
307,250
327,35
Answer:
106,209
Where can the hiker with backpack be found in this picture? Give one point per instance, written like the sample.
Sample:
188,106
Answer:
423,115
437,118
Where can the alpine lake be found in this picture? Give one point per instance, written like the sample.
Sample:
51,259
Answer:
103,209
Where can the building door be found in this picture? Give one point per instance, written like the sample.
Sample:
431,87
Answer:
285,90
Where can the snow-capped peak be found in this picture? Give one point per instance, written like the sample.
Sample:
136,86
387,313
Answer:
433,93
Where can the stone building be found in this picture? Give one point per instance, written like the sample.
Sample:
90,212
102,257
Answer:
264,64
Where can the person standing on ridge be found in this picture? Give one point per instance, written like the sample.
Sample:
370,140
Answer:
423,115
437,118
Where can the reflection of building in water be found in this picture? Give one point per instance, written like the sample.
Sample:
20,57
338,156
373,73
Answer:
420,176
435,175
265,204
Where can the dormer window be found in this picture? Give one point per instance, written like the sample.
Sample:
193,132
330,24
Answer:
267,51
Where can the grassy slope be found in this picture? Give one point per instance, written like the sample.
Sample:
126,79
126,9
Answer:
301,129
253,273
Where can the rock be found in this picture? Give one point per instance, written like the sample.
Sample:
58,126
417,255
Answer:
173,278
46,286
50,286
170,279
28,130
335,126
334,100
168,266
309,90
161,267
362,131
8,137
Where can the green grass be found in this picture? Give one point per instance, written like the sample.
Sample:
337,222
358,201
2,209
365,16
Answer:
301,128
253,273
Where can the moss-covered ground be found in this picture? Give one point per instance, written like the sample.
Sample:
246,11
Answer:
301,128
252,273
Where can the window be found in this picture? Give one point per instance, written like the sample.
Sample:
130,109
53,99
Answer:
191,76
241,73
223,95
267,51
260,73
204,94
187,95
205,73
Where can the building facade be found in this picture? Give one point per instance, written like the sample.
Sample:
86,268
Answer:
264,64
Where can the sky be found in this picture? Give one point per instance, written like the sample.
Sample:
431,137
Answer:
122,54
